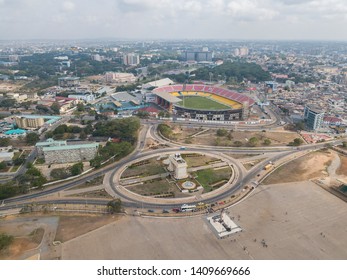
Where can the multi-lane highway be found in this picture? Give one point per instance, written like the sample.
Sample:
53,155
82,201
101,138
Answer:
149,130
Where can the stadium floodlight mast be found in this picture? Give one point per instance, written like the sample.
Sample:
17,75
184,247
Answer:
211,74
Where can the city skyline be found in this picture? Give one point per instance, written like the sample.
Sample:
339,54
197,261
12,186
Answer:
162,19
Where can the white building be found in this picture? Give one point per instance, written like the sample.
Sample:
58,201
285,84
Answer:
178,165
159,83
85,97
19,97
115,77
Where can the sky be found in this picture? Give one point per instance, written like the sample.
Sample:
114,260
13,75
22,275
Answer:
174,19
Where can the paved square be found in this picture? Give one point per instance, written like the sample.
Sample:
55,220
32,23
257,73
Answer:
282,221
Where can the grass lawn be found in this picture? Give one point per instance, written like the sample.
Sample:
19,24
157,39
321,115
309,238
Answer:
16,155
152,188
153,167
199,102
194,161
208,177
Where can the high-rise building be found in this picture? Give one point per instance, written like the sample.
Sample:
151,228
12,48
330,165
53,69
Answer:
313,117
23,122
243,51
197,56
13,58
131,59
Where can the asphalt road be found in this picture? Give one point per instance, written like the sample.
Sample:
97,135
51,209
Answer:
25,199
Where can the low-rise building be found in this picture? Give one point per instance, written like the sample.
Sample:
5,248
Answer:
85,97
69,81
114,77
17,96
6,156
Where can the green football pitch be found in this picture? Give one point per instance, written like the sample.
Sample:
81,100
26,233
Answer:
202,103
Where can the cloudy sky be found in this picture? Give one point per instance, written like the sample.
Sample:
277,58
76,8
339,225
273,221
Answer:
174,19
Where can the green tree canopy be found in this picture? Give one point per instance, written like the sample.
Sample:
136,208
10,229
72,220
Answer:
5,241
4,142
55,107
222,132
115,206
32,138
234,71
7,103
123,129
253,141
3,165
298,141
267,142
76,169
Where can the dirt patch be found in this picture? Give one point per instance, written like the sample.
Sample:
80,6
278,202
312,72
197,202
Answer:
154,187
17,248
308,167
37,235
195,160
237,156
73,226
47,168
342,170
90,183
23,244
250,164
93,194
11,86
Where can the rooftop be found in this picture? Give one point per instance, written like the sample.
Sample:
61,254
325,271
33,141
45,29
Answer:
70,147
168,97
69,78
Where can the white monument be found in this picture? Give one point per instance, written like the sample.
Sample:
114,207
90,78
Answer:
178,165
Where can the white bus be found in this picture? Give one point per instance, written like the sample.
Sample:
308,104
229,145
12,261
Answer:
188,208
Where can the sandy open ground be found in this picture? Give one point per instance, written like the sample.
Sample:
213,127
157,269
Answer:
295,220
34,234
313,165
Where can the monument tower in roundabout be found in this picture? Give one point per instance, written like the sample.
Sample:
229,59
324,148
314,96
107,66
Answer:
178,166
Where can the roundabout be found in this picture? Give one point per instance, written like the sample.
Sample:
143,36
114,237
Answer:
186,177
230,193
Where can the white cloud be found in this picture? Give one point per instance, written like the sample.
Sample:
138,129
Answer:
250,10
68,6
176,18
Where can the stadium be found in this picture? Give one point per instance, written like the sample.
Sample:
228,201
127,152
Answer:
203,102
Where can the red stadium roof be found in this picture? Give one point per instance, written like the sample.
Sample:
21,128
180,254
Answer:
238,97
